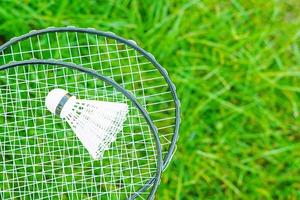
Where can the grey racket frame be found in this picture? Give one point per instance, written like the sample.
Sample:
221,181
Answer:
153,182
131,43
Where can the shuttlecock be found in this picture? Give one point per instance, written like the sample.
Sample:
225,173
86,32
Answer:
95,123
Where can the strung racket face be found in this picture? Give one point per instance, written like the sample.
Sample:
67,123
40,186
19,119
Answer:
122,60
41,157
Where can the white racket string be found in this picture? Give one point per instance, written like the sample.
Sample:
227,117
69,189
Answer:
114,59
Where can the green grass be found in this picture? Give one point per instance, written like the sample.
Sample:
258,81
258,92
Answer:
237,69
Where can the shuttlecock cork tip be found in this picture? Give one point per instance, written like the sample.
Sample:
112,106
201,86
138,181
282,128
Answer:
54,98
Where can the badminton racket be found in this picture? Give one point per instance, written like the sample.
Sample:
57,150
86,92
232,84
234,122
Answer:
110,55
42,157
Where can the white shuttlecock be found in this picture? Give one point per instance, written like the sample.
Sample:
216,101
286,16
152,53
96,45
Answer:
95,123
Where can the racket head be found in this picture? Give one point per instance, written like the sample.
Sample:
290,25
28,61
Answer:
135,69
34,141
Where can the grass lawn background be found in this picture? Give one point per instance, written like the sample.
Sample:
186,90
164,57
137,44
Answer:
236,65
